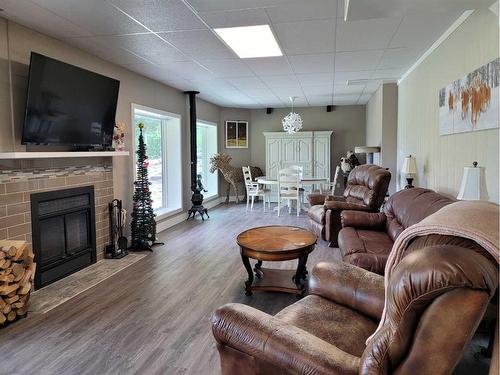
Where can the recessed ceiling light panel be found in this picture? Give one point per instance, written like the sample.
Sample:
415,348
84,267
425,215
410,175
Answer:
250,41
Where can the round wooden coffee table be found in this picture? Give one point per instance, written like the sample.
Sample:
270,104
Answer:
276,243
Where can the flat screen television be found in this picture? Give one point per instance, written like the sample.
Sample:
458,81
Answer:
67,105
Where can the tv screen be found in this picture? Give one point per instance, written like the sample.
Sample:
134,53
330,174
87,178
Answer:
67,105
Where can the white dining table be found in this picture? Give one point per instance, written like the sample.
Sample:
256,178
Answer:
264,180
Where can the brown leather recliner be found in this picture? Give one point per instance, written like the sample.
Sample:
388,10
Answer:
366,239
436,299
366,189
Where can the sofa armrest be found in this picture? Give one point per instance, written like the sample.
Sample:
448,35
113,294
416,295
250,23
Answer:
316,199
269,339
342,205
333,208
350,286
363,220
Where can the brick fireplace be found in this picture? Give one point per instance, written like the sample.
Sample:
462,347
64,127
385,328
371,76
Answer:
19,179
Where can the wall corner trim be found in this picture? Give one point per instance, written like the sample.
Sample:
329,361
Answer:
437,43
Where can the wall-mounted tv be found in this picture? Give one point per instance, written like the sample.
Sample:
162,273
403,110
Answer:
68,105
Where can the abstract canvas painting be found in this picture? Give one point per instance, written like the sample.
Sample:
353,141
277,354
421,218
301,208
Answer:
471,103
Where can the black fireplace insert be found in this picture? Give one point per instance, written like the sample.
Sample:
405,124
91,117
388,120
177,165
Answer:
64,234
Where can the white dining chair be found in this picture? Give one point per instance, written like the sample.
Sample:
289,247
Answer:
289,188
254,189
331,185
300,170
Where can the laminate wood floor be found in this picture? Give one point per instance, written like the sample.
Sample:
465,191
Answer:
153,317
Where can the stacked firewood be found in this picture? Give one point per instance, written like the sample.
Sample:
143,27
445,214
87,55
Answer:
17,271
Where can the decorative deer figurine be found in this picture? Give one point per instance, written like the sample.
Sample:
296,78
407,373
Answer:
232,175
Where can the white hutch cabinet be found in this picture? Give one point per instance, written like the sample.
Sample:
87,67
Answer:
309,149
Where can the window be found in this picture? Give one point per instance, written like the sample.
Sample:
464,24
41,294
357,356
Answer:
206,145
162,136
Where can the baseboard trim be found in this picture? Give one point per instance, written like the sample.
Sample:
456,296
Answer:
182,216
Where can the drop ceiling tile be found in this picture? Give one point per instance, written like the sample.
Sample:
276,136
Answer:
315,79
319,100
202,44
306,37
188,70
148,46
398,57
364,99
112,53
388,74
318,90
243,83
212,86
366,34
299,10
40,19
285,92
282,81
247,17
348,90
318,63
372,86
267,66
358,60
96,16
300,101
261,95
345,99
215,5
423,30
343,77
169,15
226,68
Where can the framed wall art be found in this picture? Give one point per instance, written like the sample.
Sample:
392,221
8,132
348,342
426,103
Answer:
471,103
236,134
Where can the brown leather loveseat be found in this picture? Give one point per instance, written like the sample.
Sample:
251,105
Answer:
366,189
436,298
366,239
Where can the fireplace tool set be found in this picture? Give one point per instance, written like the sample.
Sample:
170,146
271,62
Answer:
117,218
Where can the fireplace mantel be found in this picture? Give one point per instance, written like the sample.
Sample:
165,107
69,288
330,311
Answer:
60,154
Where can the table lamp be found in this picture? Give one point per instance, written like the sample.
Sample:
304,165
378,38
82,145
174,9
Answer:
368,150
409,170
470,189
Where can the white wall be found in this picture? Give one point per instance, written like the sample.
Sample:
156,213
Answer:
381,128
440,159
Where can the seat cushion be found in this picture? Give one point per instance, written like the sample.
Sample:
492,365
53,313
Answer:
336,324
367,249
317,213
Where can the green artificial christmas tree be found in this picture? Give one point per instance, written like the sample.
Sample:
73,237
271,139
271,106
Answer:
143,217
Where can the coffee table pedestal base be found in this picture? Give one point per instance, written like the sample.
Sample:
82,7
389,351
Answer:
276,281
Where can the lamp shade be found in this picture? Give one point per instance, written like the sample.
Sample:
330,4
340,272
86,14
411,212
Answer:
470,189
409,166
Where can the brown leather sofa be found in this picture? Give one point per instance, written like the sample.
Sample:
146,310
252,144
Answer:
436,299
366,189
366,239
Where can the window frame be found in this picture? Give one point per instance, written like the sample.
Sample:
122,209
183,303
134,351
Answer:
164,211
216,126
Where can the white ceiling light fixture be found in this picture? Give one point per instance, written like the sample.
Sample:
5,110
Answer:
292,122
250,41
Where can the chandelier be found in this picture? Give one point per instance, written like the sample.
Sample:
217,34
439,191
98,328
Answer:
292,122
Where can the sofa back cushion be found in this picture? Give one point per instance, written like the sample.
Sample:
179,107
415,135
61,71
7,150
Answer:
367,185
410,206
